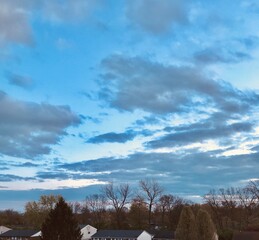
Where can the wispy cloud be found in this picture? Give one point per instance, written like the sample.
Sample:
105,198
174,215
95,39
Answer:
209,56
11,178
214,127
118,137
19,80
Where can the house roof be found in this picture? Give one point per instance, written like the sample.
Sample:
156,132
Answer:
246,236
162,234
81,226
117,234
19,233
4,229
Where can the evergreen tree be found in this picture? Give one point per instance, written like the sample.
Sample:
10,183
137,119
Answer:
205,227
186,228
60,224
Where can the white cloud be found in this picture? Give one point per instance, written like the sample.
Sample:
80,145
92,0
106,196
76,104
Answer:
51,184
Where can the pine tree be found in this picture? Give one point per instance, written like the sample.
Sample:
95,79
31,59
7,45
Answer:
186,228
205,227
60,224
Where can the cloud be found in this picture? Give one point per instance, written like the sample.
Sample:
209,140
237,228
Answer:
16,16
68,10
131,83
4,168
176,171
11,177
156,16
192,170
249,42
209,56
19,80
212,128
219,111
53,175
26,164
113,137
148,120
29,129
14,23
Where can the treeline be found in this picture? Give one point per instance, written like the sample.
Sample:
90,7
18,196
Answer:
235,208
118,207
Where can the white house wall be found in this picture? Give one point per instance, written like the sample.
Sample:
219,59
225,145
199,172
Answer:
88,231
144,236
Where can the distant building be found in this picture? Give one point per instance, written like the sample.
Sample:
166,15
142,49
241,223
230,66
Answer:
122,235
20,235
86,230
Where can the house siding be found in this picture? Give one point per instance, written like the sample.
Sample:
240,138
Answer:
87,232
144,236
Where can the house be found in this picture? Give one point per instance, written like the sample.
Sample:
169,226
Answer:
87,231
20,235
4,229
246,236
122,235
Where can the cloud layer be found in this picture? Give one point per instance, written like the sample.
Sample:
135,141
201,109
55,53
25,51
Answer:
161,88
137,83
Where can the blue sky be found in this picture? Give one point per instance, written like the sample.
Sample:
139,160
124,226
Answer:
94,91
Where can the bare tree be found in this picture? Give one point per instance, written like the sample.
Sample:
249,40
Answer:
97,204
170,207
253,188
151,192
247,204
212,199
233,207
118,197
230,203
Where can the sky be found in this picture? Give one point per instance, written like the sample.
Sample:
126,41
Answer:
99,91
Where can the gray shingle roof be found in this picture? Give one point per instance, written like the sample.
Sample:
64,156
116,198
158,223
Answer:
117,234
19,233
162,234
